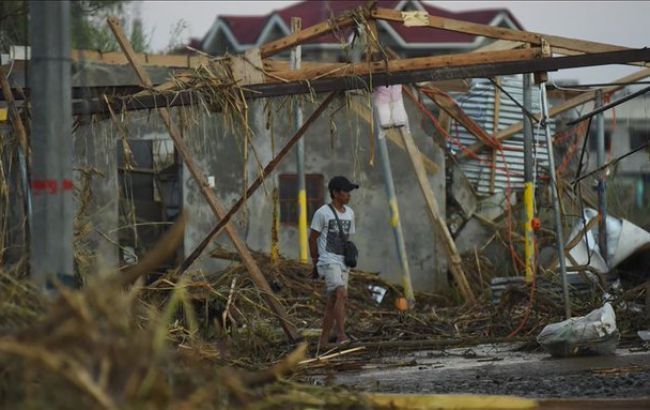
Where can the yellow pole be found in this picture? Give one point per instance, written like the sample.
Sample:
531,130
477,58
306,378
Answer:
529,237
302,224
296,25
529,185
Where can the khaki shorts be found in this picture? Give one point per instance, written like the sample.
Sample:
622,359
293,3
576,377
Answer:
334,276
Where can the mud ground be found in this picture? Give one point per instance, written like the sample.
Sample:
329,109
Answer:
500,370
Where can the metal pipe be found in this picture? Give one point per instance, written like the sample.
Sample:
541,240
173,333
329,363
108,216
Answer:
529,184
51,256
394,220
559,236
600,161
296,57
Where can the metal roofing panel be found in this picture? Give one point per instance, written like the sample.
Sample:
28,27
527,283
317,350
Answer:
479,103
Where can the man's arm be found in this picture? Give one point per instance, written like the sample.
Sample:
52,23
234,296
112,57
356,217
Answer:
313,250
313,245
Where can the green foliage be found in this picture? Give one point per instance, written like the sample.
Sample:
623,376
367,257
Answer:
88,29
13,23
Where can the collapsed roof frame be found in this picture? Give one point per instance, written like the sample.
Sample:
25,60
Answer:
311,79
502,59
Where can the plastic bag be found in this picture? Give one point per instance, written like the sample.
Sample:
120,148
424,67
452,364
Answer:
595,333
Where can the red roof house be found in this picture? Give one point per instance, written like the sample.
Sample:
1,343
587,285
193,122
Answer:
235,34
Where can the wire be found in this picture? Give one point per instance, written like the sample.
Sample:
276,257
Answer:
532,116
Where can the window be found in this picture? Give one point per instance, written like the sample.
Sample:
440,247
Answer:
315,187
593,139
638,138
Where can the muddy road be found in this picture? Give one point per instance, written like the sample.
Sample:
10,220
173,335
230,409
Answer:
501,370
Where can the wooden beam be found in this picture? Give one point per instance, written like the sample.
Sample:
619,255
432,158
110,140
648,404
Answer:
447,104
501,33
213,202
190,97
439,224
409,64
16,121
392,134
563,107
307,34
270,167
157,60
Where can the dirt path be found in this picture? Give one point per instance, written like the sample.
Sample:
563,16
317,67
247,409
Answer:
500,370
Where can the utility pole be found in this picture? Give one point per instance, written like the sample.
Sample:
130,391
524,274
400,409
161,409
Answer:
600,161
296,57
51,256
555,197
529,184
394,220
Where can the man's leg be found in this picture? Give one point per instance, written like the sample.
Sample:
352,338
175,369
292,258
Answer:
328,318
341,295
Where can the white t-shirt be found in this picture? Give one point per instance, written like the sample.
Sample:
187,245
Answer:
330,245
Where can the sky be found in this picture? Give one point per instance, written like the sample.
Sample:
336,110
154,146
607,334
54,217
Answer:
623,23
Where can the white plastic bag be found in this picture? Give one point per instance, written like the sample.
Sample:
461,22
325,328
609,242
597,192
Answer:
595,333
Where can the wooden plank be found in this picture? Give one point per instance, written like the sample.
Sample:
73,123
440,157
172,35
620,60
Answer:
206,191
189,97
392,134
439,224
563,107
501,32
246,68
447,103
307,34
409,64
157,60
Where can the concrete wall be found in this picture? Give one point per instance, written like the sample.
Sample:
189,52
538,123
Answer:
338,143
344,151
96,196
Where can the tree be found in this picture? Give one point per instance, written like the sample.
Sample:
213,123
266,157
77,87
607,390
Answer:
88,27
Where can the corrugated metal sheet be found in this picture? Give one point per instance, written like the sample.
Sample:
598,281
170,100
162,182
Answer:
478,103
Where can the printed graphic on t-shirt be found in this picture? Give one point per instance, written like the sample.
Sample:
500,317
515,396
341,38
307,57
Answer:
334,243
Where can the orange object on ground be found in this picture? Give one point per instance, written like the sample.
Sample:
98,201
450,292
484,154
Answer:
401,304
536,224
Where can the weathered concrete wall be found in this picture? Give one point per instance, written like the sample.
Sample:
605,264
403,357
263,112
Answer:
338,143
344,151
96,199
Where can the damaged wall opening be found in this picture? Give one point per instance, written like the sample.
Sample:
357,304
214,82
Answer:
288,188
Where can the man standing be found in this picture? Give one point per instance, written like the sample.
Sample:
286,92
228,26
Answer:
326,247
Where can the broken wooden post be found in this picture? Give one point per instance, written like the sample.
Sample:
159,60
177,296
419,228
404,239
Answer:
438,222
217,208
267,171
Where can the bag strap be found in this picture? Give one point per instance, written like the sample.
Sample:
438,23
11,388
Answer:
338,221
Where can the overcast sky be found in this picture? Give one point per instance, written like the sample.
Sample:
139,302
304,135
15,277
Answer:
624,23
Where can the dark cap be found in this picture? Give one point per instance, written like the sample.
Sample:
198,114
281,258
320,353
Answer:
341,184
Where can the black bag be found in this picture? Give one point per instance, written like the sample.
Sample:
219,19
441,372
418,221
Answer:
350,251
